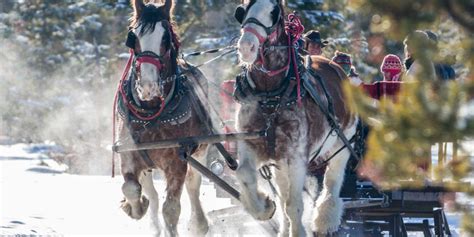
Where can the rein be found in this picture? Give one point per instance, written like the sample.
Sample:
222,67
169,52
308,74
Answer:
294,28
141,59
124,74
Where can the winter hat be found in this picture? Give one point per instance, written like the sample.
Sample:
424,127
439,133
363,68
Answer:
315,37
342,58
391,62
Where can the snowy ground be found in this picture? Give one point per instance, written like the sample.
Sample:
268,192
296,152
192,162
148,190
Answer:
42,200
38,198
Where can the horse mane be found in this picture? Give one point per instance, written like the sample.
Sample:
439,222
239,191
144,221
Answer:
151,14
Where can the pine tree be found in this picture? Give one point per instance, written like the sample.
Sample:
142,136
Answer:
339,24
426,111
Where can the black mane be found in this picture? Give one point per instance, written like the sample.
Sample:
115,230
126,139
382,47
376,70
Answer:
150,15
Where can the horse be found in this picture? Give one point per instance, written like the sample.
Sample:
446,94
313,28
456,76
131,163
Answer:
295,125
155,103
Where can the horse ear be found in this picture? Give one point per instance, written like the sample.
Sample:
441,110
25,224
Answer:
239,14
138,6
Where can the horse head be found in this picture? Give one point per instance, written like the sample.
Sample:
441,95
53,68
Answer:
155,47
259,20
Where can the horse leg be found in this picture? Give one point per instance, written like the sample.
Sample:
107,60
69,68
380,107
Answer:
311,188
172,206
329,207
150,192
296,174
134,204
282,182
198,223
258,204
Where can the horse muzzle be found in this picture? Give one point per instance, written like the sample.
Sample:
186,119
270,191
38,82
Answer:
248,48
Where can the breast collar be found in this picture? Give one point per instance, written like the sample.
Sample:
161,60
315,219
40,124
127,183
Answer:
245,91
177,106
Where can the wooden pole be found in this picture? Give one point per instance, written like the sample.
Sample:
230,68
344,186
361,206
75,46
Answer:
174,143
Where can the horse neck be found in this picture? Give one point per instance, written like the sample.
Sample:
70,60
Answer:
273,60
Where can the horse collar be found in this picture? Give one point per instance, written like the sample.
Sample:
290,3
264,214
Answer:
176,106
245,92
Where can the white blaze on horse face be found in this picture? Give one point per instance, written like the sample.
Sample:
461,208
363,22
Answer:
248,42
148,87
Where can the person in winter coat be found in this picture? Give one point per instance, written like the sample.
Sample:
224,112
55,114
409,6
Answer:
345,61
391,68
313,44
418,47
443,71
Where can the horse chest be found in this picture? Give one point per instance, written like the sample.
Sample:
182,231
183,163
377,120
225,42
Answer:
285,133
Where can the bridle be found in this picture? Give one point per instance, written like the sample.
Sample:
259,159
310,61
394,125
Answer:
292,27
154,59
271,31
272,34
137,58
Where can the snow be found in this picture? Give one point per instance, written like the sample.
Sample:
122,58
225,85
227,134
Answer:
38,198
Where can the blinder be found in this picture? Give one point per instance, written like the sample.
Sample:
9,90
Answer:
239,14
131,40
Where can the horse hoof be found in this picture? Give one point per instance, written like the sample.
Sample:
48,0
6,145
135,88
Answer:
328,215
269,211
126,207
198,227
135,211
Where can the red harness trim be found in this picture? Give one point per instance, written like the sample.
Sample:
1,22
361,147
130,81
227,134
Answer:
150,60
272,37
295,28
249,29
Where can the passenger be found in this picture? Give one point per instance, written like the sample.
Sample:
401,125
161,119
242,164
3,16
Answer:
391,68
313,43
419,47
345,61
443,71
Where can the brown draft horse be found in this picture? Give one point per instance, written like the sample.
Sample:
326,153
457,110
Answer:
299,131
154,104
